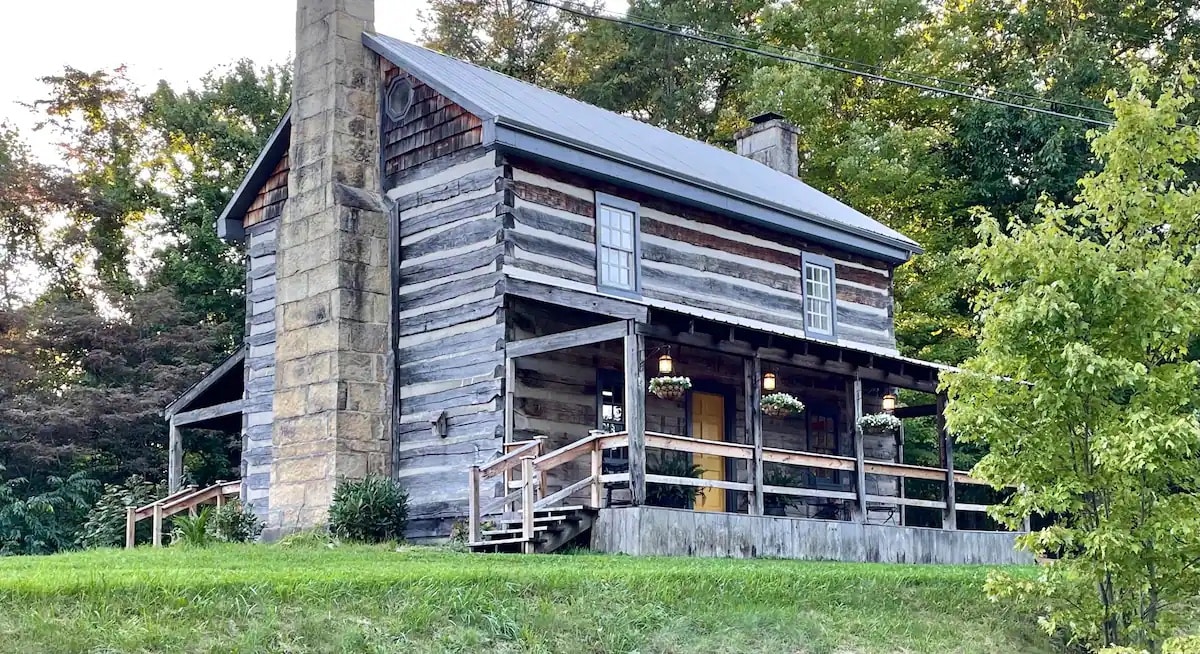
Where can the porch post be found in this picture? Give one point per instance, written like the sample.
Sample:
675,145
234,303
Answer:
946,442
174,457
860,481
753,374
900,459
510,390
635,412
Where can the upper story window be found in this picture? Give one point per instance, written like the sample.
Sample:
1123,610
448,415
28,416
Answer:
820,292
618,244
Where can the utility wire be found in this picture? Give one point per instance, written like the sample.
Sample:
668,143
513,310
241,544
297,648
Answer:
822,65
877,68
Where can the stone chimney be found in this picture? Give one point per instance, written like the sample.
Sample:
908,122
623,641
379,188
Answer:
331,404
771,140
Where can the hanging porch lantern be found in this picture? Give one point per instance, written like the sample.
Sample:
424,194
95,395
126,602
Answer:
889,403
769,381
666,365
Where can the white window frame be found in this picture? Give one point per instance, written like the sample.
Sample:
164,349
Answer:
634,289
813,261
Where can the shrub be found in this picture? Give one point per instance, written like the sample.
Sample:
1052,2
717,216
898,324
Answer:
373,509
105,525
43,521
193,530
234,523
672,464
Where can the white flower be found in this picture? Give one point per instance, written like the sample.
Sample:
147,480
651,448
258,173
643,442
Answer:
879,421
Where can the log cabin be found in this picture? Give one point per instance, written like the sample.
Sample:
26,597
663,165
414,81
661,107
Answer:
473,285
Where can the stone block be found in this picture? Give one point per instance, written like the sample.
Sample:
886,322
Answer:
289,345
363,396
324,396
308,428
312,310
291,289
291,402
357,366
308,468
320,447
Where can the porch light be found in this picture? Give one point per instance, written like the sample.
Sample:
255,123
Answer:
769,381
889,402
666,365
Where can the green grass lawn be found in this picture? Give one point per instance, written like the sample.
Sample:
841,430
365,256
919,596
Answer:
256,598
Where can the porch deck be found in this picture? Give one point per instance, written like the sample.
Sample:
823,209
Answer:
657,531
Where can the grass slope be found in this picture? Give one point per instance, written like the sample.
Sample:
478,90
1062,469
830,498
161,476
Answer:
367,599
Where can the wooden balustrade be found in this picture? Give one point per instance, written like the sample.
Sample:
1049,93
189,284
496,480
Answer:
535,464
185,499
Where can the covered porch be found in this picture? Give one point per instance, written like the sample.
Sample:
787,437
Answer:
581,429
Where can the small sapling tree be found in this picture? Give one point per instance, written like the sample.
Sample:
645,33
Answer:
1085,386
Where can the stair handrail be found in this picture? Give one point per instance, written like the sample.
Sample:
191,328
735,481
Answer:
535,464
499,466
187,498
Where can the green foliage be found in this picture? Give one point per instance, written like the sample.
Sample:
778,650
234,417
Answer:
235,523
672,464
373,509
46,521
105,524
193,530
308,538
1084,388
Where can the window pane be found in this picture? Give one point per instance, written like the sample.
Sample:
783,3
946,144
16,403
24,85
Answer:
818,298
617,244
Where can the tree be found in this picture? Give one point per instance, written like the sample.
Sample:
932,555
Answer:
205,140
515,37
1085,384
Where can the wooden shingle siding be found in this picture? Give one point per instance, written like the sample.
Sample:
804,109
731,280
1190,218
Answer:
693,262
433,127
449,336
268,202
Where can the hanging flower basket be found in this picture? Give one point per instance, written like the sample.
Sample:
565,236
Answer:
781,405
879,422
670,388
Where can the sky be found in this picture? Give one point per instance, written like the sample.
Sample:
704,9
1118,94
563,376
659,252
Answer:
175,40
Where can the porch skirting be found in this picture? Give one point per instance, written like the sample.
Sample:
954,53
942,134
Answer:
653,531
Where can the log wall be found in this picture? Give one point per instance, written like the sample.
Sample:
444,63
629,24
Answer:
450,332
257,412
695,263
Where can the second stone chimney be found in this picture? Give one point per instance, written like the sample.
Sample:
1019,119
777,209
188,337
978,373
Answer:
771,140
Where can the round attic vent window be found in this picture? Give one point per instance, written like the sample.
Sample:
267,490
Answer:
399,98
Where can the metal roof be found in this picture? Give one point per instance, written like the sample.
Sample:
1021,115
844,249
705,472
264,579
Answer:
508,103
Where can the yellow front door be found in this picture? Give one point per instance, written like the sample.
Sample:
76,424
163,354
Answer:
708,422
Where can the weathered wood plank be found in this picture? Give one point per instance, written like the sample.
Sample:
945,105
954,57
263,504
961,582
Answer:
564,340
548,222
570,298
480,206
483,229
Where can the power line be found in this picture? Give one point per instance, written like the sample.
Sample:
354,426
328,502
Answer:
875,67
823,65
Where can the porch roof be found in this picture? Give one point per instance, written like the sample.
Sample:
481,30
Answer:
778,345
213,402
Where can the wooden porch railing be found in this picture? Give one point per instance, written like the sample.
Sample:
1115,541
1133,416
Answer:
185,499
528,492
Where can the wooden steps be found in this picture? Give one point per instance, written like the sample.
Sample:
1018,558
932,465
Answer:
553,527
